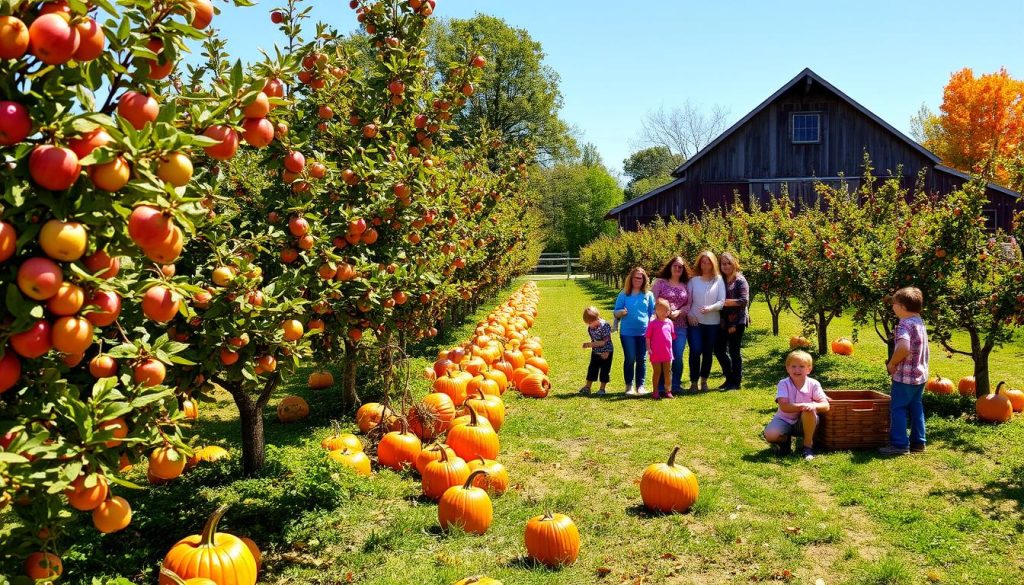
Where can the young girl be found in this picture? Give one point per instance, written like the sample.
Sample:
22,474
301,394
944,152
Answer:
800,399
660,334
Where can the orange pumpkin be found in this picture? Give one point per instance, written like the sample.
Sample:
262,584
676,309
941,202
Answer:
995,407
429,374
474,439
539,363
1015,396
292,409
499,378
342,441
490,406
255,550
176,580
220,557
371,414
208,454
442,474
355,460
453,386
321,379
432,452
515,358
432,416
495,481
552,540
398,449
466,506
112,515
799,342
939,385
474,365
535,386
667,487
967,386
842,346
504,367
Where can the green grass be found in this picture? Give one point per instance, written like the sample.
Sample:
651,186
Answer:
952,514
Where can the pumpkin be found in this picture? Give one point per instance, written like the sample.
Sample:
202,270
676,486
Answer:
798,342
43,565
842,346
939,385
452,386
539,363
667,487
500,379
442,474
220,557
432,416
321,379
371,414
208,454
515,358
504,367
355,460
176,580
995,407
464,418
520,374
466,506
255,550
967,386
166,463
189,409
490,406
474,365
474,440
443,365
87,492
292,409
535,386
429,374
552,540
342,441
496,479
484,383
112,515
1015,396
432,452
398,449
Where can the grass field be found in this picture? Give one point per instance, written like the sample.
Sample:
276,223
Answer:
951,515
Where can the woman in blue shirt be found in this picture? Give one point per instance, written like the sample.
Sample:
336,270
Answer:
634,307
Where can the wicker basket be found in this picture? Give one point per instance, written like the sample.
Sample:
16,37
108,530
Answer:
857,419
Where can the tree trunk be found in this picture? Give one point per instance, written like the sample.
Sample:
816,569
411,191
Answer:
253,447
822,327
349,395
980,353
775,309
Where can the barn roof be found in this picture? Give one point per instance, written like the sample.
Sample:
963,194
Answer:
644,197
995,187
805,76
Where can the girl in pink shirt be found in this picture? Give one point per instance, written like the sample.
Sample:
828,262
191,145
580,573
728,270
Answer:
660,333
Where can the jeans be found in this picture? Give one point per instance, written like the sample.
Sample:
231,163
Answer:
906,402
634,359
702,348
727,350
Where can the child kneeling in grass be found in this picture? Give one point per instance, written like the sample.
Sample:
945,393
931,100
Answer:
800,399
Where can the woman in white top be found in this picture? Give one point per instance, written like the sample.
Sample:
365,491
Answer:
707,297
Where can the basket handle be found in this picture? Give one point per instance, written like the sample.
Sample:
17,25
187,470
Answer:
862,409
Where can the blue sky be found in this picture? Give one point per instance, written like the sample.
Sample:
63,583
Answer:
619,60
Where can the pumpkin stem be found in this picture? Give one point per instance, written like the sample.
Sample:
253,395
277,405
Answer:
210,530
444,454
672,457
999,386
482,395
171,575
473,421
472,476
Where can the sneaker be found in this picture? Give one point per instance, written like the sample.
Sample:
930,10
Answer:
668,395
891,450
642,391
584,390
676,390
917,447
630,391
601,392
656,395
782,449
724,386
704,386
808,454
693,386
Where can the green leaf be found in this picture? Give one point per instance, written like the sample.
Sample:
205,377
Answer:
11,458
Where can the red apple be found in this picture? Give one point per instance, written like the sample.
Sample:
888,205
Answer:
15,123
39,278
53,168
52,39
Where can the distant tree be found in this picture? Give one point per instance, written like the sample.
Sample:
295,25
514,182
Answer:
519,97
683,129
926,129
648,169
574,200
589,156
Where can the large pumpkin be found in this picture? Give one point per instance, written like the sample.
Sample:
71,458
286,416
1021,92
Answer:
292,409
504,367
342,441
432,452
220,557
552,540
489,406
474,439
371,414
842,346
355,460
442,474
321,379
967,386
496,479
515,358
500,379
452,386
667,487
539,363
994,407
466,506
1015,396
939,385
398,449
432,416
535,386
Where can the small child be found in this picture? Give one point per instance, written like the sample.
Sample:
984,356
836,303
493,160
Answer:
661,331
800,399
908,367
601,349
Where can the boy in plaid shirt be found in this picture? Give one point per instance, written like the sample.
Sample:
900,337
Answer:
908,367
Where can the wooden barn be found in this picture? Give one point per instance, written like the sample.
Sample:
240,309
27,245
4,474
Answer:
806,132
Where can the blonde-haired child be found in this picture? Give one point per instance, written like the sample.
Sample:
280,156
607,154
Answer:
601,350
661,331
800,399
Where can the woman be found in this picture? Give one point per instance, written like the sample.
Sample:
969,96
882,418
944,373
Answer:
734,321
634,307
707,296
671,286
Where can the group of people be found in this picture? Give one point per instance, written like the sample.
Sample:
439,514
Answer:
707,307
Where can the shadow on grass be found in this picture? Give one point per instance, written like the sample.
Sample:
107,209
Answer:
997,494
641,511
525,562
598,290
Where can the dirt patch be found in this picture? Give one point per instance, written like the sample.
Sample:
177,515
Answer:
859,532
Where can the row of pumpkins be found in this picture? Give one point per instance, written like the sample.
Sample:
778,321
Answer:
995,407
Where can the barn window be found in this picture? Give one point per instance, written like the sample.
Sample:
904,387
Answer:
806,128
